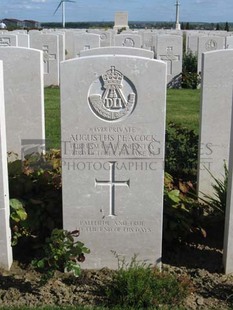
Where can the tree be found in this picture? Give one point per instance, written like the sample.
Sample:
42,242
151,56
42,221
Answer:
226,26
217,26
190,77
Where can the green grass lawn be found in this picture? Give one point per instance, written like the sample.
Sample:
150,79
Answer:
52,117
182,108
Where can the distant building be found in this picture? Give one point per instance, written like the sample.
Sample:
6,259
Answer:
31,24
10,22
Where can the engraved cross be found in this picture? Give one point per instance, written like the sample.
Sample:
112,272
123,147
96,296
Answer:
170,58
112,183
5,42
47,58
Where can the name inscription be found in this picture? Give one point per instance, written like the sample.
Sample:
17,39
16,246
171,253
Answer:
124,143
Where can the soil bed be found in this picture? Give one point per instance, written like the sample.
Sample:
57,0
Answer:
201,262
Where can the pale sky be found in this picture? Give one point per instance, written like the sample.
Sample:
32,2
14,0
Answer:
104,10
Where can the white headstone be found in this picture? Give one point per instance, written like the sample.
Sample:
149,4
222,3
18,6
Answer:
169,48
105,36
23,40
128,40
149,40
49,44
61,37
229,42
207,44
85,41
8,40
34,31
216,105
113,127
5,232
119,50
192,42
24,96
228,234
69,44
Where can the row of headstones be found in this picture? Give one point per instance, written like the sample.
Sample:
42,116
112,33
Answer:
57,46
201,42
113,157
167,47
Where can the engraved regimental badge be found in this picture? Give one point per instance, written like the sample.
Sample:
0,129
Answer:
112,97
211,45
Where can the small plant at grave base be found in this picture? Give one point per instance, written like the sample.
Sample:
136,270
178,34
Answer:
183,214
181,152
140,286
217,202
62,253
35,201
17,214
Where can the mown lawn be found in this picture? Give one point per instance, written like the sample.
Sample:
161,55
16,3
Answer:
182,108
52,117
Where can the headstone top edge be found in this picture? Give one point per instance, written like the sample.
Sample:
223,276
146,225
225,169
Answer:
83,58
225,51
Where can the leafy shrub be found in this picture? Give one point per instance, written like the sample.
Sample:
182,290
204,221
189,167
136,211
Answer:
190,77
17,216
140,286
61,252
217,202
183,214
36,201
181,152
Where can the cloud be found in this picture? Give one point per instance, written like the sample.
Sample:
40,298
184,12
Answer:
38,1
204,1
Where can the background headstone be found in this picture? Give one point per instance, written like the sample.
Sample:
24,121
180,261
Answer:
216,105
113,128
148,40
8,40
85,41
24,96
5,232
23,40
105,36
49,45
208,44
169,48
192,42
229,42
128,40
